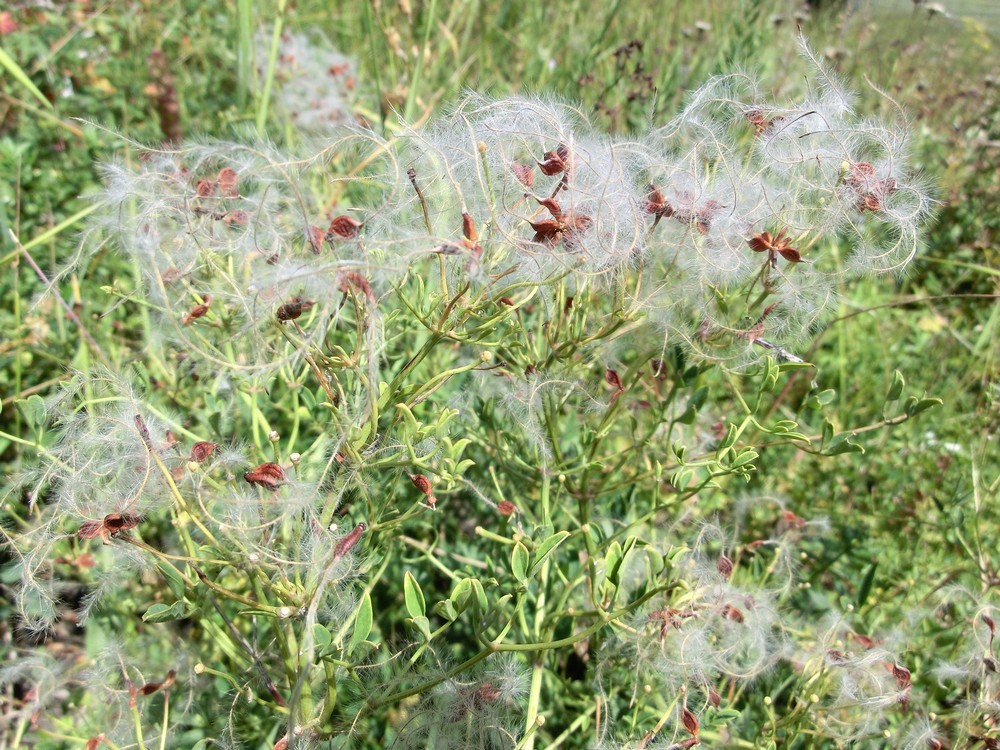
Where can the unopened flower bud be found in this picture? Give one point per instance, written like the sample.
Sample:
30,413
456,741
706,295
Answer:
295,458
486,356
273,436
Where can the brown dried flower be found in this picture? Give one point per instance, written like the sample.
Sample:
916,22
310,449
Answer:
151,687
656,205
202,451
228,180
110,526
269,475
774,246
198,311
524,174
348,542
422,483
724,565
872,191
565,228
344,227
506,508
689,720
353,281
555,162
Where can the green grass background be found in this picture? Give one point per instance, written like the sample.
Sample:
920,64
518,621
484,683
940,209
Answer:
916,512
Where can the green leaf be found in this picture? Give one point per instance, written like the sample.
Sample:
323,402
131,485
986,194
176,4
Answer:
413,596
821,399
827,433
174,579
308,398
461,594
842,443
33,409
423,626
7,62
169,612
546,547
446,609
323,638
614,570
694,403
745,457
215,422
770,379
612,561
519,559
895,387
480,594
728,441
866,586
362,623
679,450
915,406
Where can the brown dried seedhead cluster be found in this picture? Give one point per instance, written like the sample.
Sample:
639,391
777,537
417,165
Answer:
686,212
292,309
566,228
112,525
268,475
774,246
871,190
762,126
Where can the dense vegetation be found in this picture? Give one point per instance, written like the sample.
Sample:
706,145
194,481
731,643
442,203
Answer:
498,375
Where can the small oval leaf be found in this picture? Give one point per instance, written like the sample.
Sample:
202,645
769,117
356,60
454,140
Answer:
413,596
519,559
362,623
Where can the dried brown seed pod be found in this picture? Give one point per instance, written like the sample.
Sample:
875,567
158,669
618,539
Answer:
109,526
269,475
166,683
554,162
725,566
198,311
289,311
227,179
201,451
346,544
523,174
344,227
689,720
469,227
422,483
506,508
